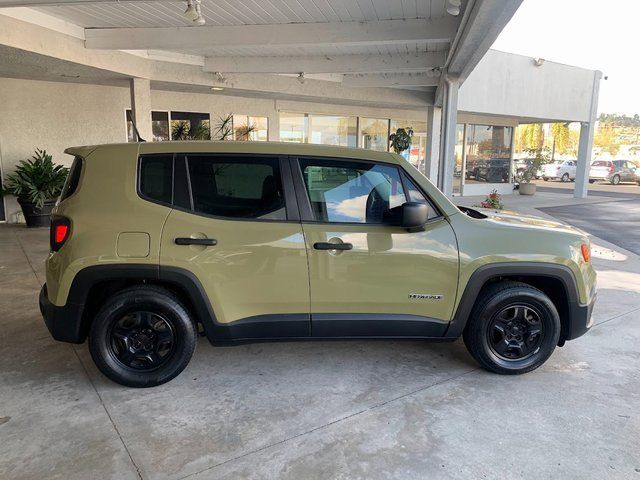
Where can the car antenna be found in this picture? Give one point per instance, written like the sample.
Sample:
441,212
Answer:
135,129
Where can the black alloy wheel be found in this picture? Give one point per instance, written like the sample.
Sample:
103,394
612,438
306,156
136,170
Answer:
516,332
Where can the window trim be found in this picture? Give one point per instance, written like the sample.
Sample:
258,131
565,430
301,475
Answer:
64,195
304,203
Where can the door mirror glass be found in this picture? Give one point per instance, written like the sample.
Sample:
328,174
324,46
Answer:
414,215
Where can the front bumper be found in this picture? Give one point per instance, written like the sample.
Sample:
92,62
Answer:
64,323
580,320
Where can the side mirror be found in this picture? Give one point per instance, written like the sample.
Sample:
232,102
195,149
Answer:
413,216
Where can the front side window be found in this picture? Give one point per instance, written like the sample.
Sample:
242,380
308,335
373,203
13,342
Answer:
352,192
156,178
237,187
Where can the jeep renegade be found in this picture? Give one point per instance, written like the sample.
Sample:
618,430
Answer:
154,243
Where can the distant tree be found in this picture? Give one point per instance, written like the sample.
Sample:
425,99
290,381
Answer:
561,139
530,137
605,138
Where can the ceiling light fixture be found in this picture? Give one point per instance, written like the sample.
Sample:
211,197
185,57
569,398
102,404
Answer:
220,77
300,77
194,12
538,61
434,72
217,89
453,7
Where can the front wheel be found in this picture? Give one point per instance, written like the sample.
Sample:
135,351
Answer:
142,337
565,178
513,328
615,180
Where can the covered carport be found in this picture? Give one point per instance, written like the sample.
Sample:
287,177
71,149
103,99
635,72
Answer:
376,58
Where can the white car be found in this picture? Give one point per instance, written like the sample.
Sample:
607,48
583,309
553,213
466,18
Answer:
563,170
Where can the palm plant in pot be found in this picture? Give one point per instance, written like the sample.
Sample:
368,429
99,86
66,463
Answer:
36,183
538,158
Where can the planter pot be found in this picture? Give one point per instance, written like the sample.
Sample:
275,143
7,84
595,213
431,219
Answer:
34,216
527,188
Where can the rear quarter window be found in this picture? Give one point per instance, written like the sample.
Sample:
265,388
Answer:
73,179
156,178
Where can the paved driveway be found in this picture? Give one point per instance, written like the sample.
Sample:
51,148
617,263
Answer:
319,410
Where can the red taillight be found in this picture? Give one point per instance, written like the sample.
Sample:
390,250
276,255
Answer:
586,252
59,232
611,167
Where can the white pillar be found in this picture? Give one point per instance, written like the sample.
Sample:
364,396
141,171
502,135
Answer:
586,142
434,124
449,135
141,106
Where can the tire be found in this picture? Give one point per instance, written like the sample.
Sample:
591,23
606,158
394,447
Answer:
591,181
546,179
493,350
565,178
615,180
142,337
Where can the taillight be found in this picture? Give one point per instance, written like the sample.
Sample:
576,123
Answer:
586,252
558,167
611,168
59,232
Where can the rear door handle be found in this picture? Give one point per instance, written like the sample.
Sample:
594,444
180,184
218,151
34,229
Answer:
196,241
332,246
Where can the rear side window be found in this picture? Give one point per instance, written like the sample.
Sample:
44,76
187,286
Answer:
237,187
73,179
156,178
600,163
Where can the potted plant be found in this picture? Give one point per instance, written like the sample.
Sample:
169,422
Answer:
36,183
538,158
401,140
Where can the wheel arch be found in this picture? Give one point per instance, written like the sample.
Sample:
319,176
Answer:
556,281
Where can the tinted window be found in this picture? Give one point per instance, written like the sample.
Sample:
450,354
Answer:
156,177
237,187
353,192
73,179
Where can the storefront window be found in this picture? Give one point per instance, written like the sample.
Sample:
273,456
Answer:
374,133
488,153
416,154
160,126
333,130
293,127
246,128
457,167
190,125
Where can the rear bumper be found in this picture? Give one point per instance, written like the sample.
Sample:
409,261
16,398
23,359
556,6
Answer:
64,323
580,320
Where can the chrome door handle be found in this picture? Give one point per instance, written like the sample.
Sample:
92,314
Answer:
332,246
196,241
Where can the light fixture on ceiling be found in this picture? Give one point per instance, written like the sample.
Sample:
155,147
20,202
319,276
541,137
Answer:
434,72
194,13
217,89
220,77
300,77
538,61
453,7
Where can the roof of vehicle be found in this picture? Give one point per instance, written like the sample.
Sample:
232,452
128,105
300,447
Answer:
273,148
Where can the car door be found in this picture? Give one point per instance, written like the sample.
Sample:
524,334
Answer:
629,172
235,226
571,168
369,277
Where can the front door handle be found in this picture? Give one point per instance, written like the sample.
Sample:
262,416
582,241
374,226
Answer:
332,246
196,241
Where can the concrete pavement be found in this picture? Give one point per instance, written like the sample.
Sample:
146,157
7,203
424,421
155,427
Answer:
323,410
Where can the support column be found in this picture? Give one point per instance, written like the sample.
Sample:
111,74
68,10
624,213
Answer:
586,142
274,124
141,106
449,135
434,130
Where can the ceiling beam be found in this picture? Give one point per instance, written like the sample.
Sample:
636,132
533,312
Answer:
390,80
413,62
384,32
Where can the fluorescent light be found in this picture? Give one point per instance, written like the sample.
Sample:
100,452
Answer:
217,89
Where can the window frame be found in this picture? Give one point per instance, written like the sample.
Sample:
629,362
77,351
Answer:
290,205
304,203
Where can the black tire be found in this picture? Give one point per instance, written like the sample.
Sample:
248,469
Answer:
565,178
546,179
482,332
148,317
591,181
615,180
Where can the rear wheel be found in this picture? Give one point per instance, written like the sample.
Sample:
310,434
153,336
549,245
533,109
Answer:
591,180
142,337
565,177
546,179
615,180
513,328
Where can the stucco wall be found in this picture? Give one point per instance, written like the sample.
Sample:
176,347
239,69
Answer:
512,85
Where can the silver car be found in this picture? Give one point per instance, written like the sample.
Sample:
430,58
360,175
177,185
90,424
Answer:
614,171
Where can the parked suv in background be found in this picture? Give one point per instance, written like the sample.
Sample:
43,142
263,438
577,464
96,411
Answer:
614,171
563,170
152,243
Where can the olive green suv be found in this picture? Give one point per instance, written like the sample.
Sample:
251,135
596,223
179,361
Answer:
153,244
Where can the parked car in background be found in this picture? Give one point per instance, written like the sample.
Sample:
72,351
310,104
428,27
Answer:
614,171
563,170
492,170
